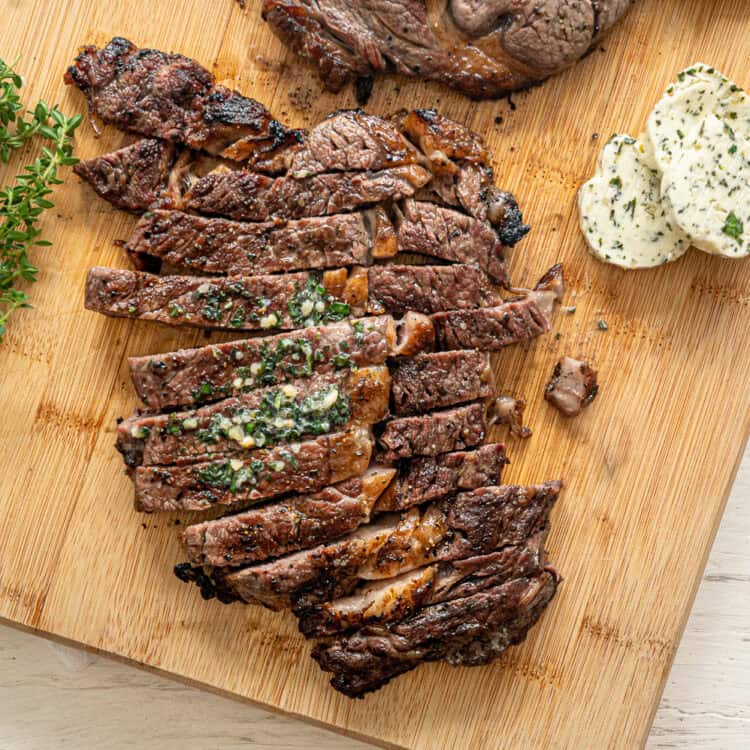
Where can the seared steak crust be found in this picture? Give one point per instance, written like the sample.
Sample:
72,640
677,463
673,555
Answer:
440,379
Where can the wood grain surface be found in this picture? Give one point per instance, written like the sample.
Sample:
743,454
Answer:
648,467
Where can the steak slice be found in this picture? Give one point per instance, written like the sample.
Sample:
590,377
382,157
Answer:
428,289
573,386
243,303
397,598
471,632
435,433
429,478
209,373
483,49
251,196
172,97
474,523
300,467
134,178
288,525
433,381
302,409
430,229
220,246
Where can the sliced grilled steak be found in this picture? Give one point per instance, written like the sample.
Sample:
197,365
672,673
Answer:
397,598
573,386
474,523
484,49
193,376
268,416
285,526
470,632
428,289
432,434
243,303
220,246
433,381
250,196
429,478
300,467
134,178
172,97
430,229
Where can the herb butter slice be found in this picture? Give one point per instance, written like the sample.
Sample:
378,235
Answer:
708,188
622,214
699,91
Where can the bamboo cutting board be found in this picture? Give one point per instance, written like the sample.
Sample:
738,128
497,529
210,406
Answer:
648,467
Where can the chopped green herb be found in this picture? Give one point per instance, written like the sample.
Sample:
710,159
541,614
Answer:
733,227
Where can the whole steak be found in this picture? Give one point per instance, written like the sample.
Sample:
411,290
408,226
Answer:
485,48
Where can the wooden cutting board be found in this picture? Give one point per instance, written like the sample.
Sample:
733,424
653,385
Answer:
648,467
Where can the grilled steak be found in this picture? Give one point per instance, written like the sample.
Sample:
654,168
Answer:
397,598
433,381
275,529
300,467
243,303
172,97
430,229
573,386
475,523
470,632
193,376
251,196
432,434
429,478
428,289
262,417
484,49
133,178
220,246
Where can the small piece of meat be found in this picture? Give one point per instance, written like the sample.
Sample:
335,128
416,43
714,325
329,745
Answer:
429,478
485,49
250,196
275,529
300,467
573,386
471,631
302,409
242,303
209,373
506,410
434,381
435,433
415,333
428,289
220,246
474,523
133,178
172,97
397,598
430,229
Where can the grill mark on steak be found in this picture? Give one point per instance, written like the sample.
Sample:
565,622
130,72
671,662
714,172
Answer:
243,303
435,433
400,597
221,246
389,546
483,49
246,195
222,428
301,467
471,631
434,381
288,525
170,96
428,478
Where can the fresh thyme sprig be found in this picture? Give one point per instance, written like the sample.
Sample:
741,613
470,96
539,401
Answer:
22,204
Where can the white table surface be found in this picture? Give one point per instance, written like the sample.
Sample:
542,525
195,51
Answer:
52,696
